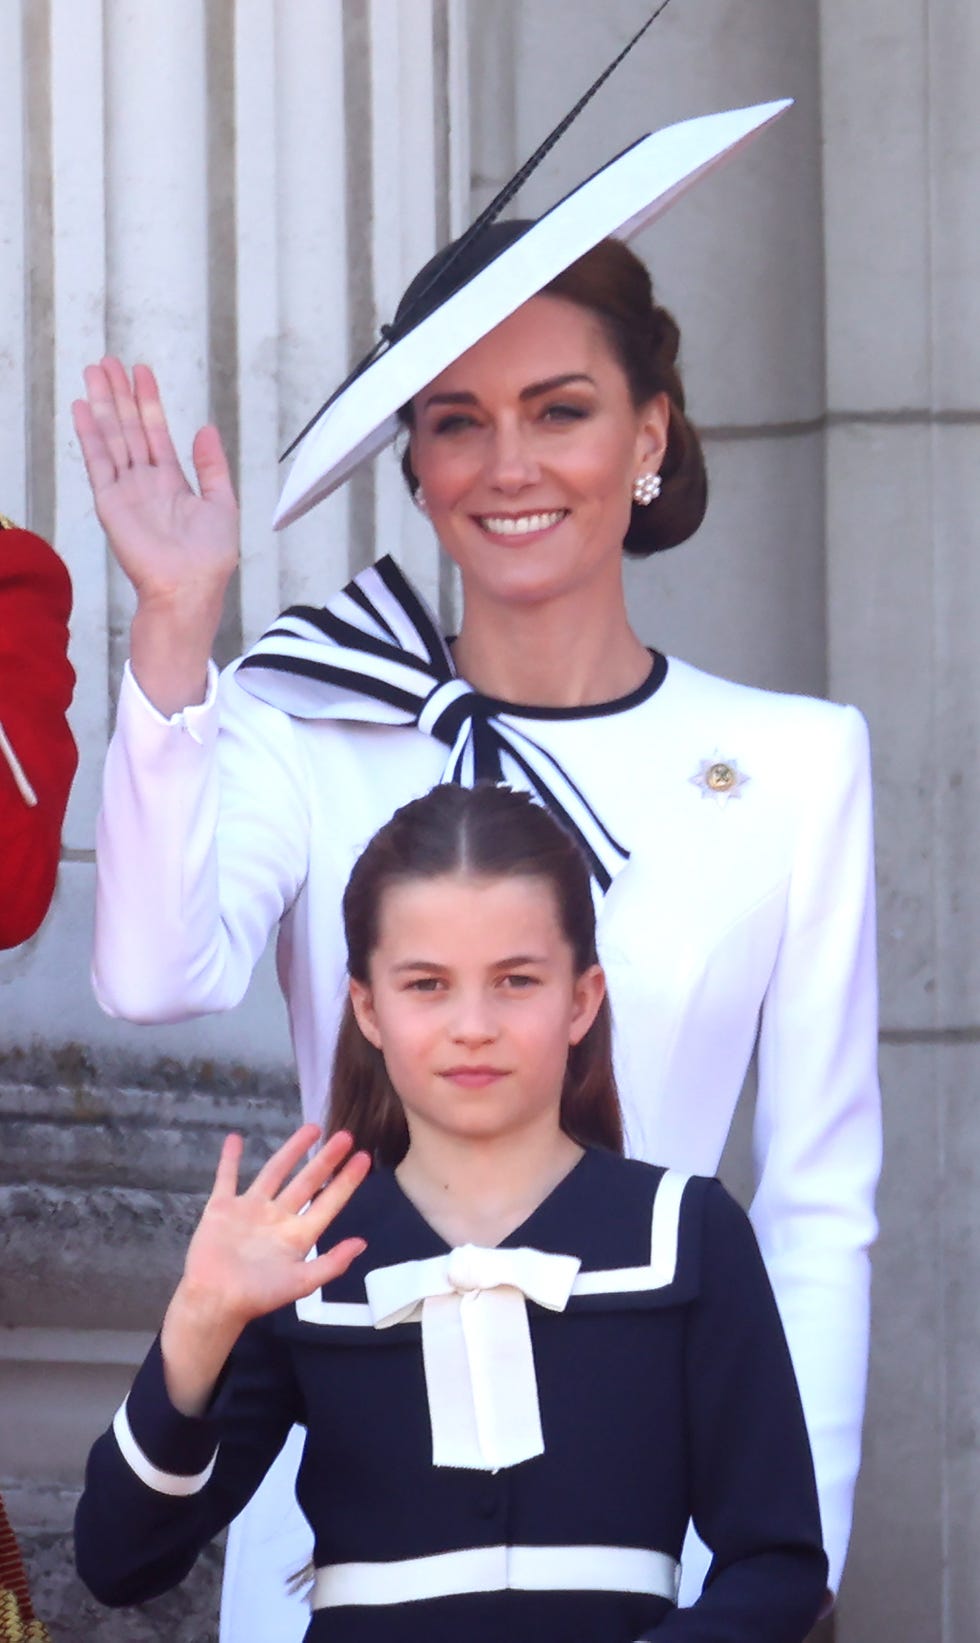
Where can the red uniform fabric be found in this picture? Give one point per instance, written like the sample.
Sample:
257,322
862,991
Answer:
38,756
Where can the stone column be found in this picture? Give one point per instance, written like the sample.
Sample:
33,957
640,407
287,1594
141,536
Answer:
901,130
238,194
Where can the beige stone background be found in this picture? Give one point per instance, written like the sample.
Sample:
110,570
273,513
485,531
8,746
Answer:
237,190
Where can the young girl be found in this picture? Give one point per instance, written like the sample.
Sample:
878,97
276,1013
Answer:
522,1361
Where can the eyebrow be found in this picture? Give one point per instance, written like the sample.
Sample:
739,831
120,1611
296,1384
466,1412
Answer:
514,961
533,391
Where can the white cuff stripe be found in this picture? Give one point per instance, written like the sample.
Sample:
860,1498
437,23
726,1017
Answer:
164,1483
496,1569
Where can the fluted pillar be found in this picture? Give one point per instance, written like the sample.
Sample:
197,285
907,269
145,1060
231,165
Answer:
901,132
236,192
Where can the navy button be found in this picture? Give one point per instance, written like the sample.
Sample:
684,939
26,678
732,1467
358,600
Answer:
488,1502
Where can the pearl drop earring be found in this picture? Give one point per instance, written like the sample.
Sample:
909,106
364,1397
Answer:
420,502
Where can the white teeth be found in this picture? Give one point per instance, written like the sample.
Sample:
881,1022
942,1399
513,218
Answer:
506,525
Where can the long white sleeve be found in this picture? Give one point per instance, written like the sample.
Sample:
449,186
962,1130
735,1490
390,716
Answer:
202,844
817,1134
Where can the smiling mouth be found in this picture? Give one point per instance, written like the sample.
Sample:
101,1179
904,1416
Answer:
505,524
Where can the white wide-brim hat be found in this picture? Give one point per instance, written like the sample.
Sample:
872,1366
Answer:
616,202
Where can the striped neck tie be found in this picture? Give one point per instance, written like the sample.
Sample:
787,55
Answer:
374,654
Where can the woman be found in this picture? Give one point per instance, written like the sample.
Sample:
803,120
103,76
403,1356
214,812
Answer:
526,1362
743,913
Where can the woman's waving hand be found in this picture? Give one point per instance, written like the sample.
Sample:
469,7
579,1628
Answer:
177,545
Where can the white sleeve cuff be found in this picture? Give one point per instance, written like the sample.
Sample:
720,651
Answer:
163,1483
192,718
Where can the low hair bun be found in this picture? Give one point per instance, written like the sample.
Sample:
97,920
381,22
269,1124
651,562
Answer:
681,506
612,282
666,344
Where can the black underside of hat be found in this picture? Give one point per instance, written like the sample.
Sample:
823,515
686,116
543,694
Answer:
452,268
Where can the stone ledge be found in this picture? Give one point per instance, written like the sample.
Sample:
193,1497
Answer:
59,1389
42,1519
123,1347
82,1259
158,1139
101,1186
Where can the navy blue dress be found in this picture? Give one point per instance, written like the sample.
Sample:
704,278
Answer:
665,1392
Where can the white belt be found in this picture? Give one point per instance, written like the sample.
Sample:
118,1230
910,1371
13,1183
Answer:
498,1569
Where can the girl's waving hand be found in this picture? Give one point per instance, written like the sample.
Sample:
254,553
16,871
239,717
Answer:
249,1253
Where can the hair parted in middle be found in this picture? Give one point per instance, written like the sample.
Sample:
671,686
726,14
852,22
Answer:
485,832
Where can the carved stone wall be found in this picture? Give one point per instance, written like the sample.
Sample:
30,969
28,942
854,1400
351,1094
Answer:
101,1184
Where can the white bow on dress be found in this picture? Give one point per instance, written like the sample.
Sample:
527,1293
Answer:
476,1345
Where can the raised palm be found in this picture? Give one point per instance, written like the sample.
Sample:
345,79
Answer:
248,1255
170,540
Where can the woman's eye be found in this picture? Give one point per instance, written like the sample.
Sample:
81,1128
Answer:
454,422
425,984
564,413
519,982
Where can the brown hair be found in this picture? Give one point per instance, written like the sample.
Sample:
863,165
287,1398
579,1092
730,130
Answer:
612,283
487,832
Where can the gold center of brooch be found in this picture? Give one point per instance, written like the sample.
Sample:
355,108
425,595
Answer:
720,777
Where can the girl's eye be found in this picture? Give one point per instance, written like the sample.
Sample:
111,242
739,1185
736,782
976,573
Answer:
425,984
519,982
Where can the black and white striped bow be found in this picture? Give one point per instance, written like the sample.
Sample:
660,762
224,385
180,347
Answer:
375,654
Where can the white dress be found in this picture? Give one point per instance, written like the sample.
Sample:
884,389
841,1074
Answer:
744,916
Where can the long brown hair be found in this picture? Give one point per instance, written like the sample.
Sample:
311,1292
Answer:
485,832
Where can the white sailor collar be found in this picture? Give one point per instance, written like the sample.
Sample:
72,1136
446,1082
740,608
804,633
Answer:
633,1228
374,654
607,1237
